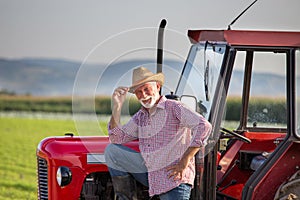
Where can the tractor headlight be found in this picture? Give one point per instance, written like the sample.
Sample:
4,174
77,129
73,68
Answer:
63,176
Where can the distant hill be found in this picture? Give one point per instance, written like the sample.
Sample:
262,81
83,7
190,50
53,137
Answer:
54,77
275,84
38,77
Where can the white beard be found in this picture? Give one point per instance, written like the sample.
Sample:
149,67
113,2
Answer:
150,104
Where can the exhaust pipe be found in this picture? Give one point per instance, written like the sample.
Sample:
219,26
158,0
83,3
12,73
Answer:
160,41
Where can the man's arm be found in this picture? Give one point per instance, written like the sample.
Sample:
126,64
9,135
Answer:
118,99
201,129
117,133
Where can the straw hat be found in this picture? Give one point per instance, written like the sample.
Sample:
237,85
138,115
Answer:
142,75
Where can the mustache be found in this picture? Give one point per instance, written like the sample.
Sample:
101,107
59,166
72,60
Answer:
145,98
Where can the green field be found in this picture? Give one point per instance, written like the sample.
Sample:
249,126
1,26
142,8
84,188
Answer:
19,139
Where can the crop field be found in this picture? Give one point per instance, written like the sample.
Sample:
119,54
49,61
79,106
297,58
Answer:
19,139
99,105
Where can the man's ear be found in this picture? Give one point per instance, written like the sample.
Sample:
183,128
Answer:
158,86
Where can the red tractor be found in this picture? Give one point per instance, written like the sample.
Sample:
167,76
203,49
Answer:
254,154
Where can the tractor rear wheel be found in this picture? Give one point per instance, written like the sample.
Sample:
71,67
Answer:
290,189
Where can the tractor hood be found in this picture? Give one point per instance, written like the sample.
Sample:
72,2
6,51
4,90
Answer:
75,151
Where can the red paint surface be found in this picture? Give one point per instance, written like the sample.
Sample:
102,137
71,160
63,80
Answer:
72,152
247,38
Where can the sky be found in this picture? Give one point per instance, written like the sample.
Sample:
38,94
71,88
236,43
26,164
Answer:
104,31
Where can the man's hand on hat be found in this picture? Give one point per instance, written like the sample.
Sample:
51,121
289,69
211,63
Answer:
119,95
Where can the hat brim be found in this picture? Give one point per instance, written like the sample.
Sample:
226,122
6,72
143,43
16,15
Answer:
159,77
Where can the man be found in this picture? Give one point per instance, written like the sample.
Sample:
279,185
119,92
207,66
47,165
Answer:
169,136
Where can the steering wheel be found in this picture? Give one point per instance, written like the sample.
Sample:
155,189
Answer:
240,137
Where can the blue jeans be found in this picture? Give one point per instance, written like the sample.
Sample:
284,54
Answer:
182,192
122,161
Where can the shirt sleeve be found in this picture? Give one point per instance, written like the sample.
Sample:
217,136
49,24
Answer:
122,134
200,127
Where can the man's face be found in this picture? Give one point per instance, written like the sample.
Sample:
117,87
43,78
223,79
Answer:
148,94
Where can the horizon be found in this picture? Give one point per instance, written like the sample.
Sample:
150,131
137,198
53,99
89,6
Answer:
53,80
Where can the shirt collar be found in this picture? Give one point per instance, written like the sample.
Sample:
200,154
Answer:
162,102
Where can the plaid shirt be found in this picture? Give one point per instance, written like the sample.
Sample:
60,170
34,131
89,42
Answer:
164,136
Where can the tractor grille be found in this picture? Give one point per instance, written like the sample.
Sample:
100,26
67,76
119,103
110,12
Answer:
42,172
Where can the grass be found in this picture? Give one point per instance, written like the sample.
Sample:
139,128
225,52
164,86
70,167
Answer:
19,139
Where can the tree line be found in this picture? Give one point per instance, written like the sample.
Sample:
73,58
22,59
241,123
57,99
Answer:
266,109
